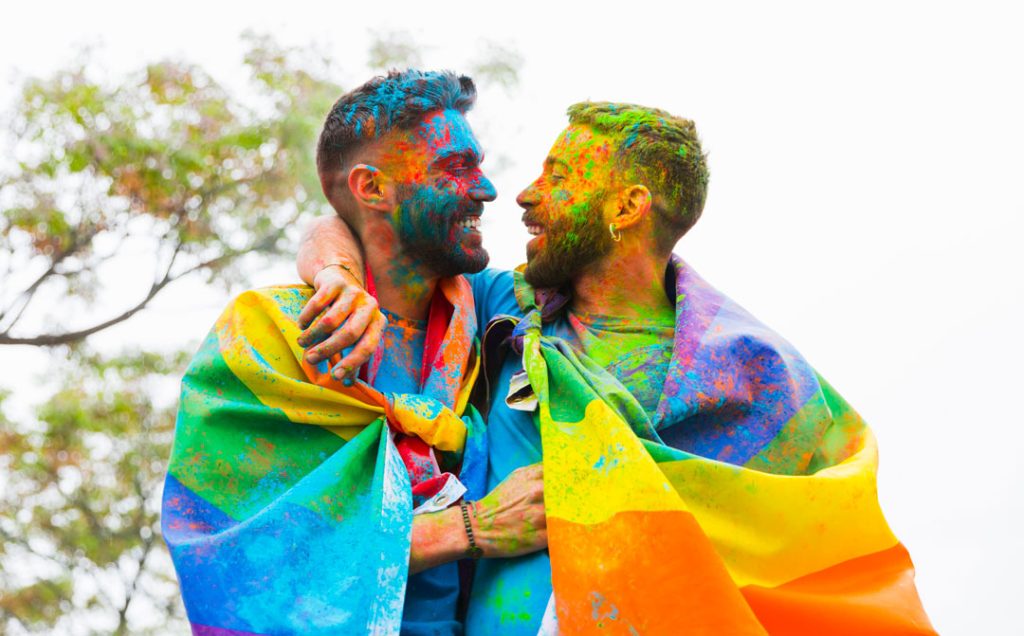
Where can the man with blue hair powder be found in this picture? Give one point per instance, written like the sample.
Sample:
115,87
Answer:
300,502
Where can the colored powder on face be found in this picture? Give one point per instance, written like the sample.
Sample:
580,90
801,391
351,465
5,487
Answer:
439,185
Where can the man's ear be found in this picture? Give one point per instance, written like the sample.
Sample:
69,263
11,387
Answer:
366,184
634,205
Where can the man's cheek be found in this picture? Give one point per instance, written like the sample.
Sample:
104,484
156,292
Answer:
438,209
414,216
455,185
563,197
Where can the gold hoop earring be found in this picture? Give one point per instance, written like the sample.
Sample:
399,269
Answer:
616,234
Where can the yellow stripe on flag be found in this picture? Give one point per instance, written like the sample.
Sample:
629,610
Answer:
257,330
770,529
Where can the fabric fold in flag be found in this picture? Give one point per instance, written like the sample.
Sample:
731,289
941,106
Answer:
746,505
288,504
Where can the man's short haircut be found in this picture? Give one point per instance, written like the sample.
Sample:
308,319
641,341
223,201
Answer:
385,103
661,150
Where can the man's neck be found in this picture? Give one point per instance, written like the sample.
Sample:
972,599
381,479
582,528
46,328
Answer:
628,283
404,287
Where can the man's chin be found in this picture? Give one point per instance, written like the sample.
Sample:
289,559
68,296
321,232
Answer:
464,263
475,261
477,265
539,275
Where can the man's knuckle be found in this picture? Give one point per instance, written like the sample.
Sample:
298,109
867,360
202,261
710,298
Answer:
351,329
328,323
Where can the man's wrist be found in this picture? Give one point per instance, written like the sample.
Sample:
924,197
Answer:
438,537
473,551
346,268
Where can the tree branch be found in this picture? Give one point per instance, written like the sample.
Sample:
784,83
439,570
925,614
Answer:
74,336
130,588
78,240
147,546
52,340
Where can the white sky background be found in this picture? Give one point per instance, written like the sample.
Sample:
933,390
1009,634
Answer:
866,201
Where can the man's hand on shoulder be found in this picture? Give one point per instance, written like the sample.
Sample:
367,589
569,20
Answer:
341,314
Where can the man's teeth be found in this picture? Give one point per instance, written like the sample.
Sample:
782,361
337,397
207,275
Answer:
472,222
534,230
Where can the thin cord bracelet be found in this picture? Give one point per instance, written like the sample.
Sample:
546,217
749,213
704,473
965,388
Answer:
474,550
344,267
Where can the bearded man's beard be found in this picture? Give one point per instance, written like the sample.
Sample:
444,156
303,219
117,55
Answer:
428,231
571,243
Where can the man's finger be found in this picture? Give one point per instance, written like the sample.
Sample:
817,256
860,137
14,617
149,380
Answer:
315,305
537,494
335,316
367,344
355,325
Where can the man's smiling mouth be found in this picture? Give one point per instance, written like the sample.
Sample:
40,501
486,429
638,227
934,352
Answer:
532,226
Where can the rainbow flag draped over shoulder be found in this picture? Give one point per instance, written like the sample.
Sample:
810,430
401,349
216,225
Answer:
287,506
746,505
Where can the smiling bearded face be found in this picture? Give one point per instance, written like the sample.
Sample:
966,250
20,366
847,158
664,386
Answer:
439,191
564,208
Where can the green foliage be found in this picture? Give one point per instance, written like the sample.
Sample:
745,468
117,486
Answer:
394,50
169,157
80,523
497,65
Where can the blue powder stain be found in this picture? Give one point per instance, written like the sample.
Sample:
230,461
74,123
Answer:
393,97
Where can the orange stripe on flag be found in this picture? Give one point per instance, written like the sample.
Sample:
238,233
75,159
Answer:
872,594
643,572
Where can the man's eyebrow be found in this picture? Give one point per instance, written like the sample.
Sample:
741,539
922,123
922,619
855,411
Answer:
550,162
467,154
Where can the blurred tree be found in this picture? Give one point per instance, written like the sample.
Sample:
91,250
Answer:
393,49
497,64
168,157
80,516
199,176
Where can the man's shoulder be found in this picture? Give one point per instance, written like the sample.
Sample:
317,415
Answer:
494,293
490,278
727,325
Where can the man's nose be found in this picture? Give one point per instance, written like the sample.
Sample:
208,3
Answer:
528,197
484,190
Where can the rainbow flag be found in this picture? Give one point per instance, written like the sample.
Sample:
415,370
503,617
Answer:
746,505
288,501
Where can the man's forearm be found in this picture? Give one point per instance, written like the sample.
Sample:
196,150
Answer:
327,240
437,538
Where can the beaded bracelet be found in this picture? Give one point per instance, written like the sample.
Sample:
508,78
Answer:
474,550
